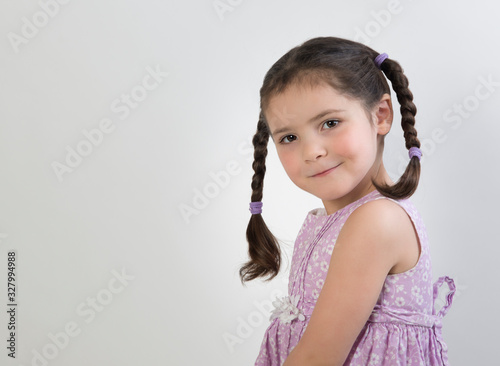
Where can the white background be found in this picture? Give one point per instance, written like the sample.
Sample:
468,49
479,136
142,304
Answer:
119,208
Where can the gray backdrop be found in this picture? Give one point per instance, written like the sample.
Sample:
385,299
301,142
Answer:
126,165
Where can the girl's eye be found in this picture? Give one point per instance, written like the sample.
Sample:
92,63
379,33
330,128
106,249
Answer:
288,138
331,123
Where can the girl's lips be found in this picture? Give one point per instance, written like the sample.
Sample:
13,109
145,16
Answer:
325,172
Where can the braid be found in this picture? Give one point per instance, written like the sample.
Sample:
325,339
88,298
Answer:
259,141
408,182
263,247
400,84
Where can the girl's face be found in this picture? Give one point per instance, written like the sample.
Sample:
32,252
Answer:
327,142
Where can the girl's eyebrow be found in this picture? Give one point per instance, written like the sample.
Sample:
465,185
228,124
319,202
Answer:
315,118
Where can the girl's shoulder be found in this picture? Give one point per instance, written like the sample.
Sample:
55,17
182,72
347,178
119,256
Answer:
376,203
395,223
388,218
382,216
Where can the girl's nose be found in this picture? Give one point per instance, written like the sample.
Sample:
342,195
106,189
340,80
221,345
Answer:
313,150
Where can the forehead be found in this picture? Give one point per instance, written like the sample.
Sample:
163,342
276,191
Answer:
301,102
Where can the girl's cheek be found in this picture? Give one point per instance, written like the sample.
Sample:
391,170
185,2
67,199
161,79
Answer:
355,144
283,157
347,145
288,161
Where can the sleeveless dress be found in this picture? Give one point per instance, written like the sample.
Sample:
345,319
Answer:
403,328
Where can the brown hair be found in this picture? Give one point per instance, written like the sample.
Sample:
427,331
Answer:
349,68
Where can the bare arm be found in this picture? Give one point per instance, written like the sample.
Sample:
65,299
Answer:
369,245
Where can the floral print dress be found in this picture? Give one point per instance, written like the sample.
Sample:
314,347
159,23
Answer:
403,328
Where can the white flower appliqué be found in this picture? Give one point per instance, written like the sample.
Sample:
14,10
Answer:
286,309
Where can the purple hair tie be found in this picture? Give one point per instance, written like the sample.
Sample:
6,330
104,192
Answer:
380,58
415,151
255,208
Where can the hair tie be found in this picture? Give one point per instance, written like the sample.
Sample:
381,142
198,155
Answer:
255,208
415,151
379,59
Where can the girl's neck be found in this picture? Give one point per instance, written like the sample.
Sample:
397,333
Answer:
365,187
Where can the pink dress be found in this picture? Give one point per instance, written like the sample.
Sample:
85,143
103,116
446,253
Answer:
403,329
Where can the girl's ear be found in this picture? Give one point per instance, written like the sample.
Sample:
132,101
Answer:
383,115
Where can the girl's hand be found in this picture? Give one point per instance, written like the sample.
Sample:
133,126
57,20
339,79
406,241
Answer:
377,237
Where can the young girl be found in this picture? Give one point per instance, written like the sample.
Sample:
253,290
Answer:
360,290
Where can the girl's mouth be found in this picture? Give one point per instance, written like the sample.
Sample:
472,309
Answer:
325,172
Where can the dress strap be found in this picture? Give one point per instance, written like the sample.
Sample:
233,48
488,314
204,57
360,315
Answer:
298,280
